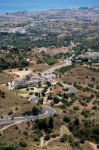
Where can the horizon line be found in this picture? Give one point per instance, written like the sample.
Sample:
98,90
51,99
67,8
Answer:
41,10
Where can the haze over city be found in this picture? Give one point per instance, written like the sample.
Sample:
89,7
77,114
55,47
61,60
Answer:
38,5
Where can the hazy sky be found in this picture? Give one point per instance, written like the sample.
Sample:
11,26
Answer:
32,5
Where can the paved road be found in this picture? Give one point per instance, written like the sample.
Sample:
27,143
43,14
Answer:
48,111
67,62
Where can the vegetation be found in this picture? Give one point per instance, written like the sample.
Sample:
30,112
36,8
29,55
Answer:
45,124
24,41
45,44
51,61
36,137
36,109
9,147
23,144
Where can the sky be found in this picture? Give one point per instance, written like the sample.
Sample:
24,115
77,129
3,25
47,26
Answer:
37,5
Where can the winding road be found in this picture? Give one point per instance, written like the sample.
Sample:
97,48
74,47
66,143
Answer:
48,111
66,62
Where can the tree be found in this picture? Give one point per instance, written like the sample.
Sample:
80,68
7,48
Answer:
42,124
56,99
76,121
66,119
47,137
39,84
23,144
36,137
50,122
64,138
35,110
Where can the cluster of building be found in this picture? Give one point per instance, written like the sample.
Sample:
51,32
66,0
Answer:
29,80
87,57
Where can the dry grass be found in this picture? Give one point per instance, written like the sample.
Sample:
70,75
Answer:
12,102
56,145
22,73
79,74
82,76
19,132
89,146
4,77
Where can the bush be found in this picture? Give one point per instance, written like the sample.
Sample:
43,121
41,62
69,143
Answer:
54,135
93,79
9,147
47,137
71,127
2,94
23,144
64,138
97,95
76,121
10,112
98,146
87,132
85,113
97,87
56,100
66,119
16,127
51,122
30,93
76,107
91,85
32,88
51,61
36,137
42,124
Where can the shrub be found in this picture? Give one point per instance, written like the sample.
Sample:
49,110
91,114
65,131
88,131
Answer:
91,85
10,112
16,127
9,147
54,135
42,124
85,113
51,61
76,121
32,88
56,100
76,107
66,119
64,138
93,79
30,93
23,144
50,122
47,137
35,110
97,87
36,137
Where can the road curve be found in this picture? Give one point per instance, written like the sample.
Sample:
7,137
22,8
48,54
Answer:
48,111
66,62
